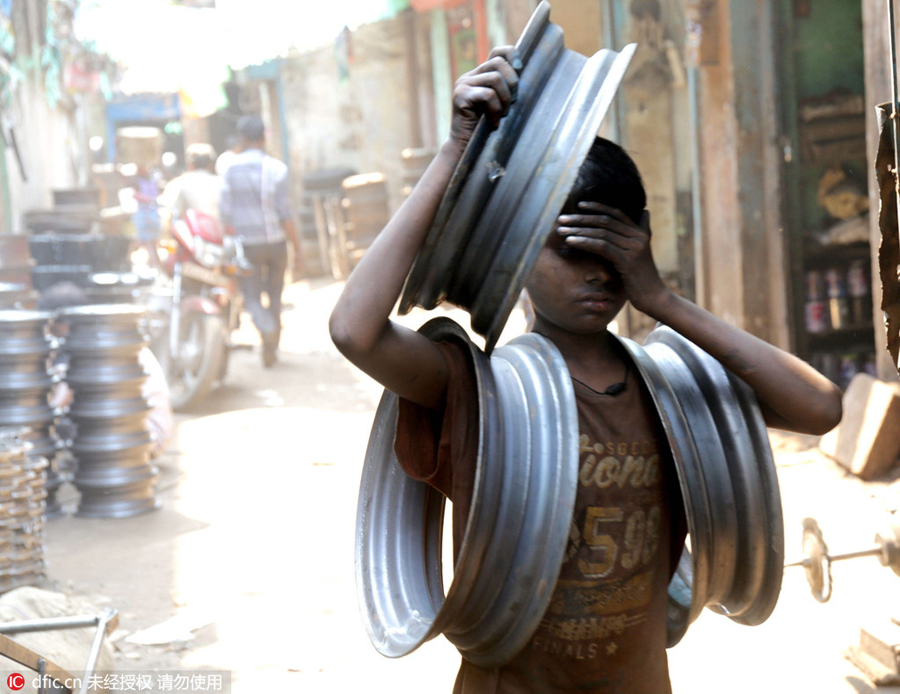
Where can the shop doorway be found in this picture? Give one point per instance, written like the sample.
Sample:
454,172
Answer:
821,66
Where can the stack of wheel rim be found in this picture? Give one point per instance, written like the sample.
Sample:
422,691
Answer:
22,506
25,384
112,439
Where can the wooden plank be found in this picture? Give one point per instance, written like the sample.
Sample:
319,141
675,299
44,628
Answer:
24,656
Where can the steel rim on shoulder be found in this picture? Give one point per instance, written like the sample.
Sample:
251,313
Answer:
501,587
728,481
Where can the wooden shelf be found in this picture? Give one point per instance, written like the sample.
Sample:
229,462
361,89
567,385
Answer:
819,257
845,336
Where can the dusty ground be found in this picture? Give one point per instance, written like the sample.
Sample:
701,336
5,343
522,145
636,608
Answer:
252,547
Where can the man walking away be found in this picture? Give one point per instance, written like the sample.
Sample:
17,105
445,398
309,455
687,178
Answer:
198,188
254,207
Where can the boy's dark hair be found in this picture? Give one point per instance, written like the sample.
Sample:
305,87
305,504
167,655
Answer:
201,155
251,127
609,176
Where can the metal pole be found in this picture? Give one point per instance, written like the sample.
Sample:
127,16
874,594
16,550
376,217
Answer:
103,620
700,293
873,552
49,624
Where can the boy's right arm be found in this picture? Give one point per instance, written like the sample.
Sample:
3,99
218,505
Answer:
403,360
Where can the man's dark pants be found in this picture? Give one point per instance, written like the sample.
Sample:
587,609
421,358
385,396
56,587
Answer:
269,261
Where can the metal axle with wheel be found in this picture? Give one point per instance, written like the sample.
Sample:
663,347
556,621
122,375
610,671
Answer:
817,560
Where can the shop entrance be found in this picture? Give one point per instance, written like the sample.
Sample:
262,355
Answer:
826,222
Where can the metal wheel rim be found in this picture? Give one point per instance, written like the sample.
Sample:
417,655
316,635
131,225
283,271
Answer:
687,589
746,586
479,554
398,601
511,184
452,227
547,503
773,573
716,480
108,329
399,519
750,473
398,557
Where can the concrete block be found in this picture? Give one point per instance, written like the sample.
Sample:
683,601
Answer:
867,441
881,641
877,652
878,674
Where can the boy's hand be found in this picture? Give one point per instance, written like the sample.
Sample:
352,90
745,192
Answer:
792,395
610,234
487,90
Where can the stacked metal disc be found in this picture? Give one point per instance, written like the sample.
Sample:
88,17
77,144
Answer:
22,506
16,264
112,440
25,385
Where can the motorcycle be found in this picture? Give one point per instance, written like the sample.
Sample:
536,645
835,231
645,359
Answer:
197,306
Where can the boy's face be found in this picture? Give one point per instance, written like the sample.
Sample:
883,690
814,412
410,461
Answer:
572,290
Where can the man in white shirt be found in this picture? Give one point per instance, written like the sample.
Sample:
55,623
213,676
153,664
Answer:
199,188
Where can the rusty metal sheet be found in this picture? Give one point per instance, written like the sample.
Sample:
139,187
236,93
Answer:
889,250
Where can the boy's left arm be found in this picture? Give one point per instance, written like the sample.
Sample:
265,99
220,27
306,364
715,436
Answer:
792,395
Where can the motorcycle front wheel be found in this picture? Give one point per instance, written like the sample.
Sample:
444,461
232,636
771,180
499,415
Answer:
201,351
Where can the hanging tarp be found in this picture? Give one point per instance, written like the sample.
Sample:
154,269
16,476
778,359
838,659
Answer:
889,250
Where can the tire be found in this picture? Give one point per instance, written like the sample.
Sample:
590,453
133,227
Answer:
202,348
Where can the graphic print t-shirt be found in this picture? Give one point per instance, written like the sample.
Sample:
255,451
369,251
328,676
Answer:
605,628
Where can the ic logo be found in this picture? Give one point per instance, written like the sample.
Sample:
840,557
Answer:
15,681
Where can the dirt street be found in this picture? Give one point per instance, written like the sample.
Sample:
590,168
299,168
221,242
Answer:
252,547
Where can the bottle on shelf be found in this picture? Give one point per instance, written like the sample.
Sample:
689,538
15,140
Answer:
838,303
859,291
847,369
817,317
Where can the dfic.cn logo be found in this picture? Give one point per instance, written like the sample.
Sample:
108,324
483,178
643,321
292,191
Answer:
15,681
